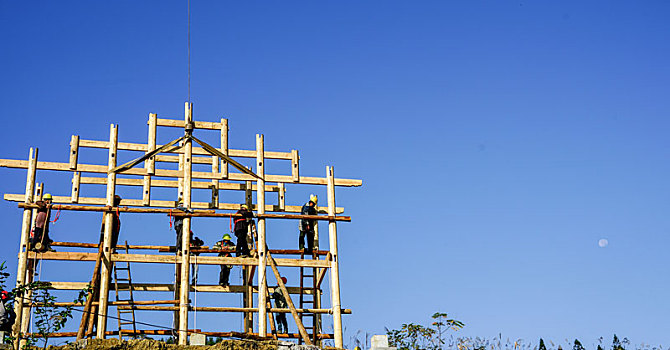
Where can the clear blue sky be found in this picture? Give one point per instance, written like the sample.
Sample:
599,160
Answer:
498,141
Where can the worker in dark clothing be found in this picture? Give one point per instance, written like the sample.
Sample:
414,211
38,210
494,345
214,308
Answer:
116,224
7,315
242,230
280,303
225,269
307,225
39,240
179,223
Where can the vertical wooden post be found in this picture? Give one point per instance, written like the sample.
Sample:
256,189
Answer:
224,148
334,264
74,152
281,202
295,165
215,183
248,298
107,237
186,231
248,198
76,179
150,164
30,270
260,208
23,247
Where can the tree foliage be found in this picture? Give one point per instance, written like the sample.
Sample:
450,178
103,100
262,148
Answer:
412,336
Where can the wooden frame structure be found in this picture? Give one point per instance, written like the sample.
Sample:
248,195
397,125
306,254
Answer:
226,174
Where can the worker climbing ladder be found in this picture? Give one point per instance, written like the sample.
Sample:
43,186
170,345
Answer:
308,301
124,284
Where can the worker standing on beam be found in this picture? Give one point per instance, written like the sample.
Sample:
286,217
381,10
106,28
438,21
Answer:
39,239
225,269
242,230
179,223
307,225
116,224
280,303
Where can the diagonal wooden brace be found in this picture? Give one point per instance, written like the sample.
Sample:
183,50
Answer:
216,152
132,163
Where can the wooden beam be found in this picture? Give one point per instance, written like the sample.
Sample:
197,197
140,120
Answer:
186,227
74,151
260,199
23,247
95,285
334,262
159,206
139,147
150,164
76,180
106,267
281,200
287,296
90,168
224,148
196,124
295,166
158,287
173,183
227,309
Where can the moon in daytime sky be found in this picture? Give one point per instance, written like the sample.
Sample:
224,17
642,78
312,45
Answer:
603,243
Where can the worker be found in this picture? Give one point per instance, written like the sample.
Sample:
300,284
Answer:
280,303
179,223
307,225
39,240
242,230
7,315
225,269
116,224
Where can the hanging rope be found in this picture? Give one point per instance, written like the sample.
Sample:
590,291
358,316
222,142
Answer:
57,215
170,217
189,49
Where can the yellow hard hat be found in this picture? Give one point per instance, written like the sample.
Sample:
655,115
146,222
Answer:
313,198
244,206
47,196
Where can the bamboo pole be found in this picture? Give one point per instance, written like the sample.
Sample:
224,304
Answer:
25,235
262,248
107,266
186,231
291,306
335,266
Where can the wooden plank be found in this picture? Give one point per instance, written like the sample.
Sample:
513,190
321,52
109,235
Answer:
90,168
76,182
335,266
74,151
227,309
23,247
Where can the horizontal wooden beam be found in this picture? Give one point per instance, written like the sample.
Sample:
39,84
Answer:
256,336
95,245
102,169
175,184
170,259
228,309
111,303
127,146
137,332
156,206
182,124
157,287
179,213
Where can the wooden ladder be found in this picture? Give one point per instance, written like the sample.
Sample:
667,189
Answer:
126,317
308,301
